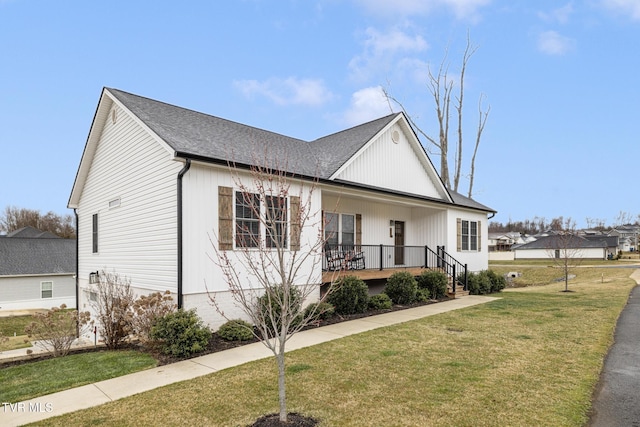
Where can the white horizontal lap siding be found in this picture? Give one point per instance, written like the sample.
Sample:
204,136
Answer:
200,228
23,292
587,253
137,239
391,165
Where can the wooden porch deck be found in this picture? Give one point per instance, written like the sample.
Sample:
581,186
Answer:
369,274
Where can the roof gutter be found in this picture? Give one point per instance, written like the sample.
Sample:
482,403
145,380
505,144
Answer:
181,174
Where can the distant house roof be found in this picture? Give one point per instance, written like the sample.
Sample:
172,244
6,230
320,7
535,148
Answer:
29,232
609,241
23,254
203,137
556,241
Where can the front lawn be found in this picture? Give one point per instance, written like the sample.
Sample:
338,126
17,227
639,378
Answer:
35,379
531,358
12,327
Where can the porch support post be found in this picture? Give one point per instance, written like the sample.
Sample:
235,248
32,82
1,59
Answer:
466,287
453,268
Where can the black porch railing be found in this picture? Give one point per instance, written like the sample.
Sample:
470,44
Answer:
383,257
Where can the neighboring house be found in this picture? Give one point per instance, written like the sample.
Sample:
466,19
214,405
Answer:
499,242
628,236
555,245
155,195
37,270
611,242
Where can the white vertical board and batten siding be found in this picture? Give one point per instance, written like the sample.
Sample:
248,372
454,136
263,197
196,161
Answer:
424,225
396,166
475,260
200,227
138,238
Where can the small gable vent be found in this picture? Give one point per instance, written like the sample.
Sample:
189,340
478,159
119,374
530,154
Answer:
395,136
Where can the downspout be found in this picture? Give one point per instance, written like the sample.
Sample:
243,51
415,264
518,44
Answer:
75,212
181,174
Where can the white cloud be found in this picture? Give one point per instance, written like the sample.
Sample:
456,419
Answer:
553,43
626,7
383,51
289,91
461,8
560,15
366,104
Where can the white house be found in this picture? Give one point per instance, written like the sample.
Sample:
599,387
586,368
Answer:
155,196
561,246
37,270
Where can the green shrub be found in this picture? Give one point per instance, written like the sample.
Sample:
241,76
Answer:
434,281
271,303
380,302
479,283
349,296
181,333
319,311
236,330
401,288
422,295
498,282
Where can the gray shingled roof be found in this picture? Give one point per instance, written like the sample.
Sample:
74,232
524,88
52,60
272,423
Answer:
29,232
24,256
196,135
203,137
554,241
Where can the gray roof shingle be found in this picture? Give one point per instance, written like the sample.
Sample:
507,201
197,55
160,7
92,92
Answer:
555,241
198,135
24,256
203,137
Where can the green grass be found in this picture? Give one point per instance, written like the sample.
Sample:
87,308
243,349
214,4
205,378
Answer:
532,357
35,379
13,328
14,325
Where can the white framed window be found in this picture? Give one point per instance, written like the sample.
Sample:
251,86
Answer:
46,289
250,216
468,232
339,229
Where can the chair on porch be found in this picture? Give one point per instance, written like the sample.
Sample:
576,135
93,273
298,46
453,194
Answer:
335,258
344,258
354,259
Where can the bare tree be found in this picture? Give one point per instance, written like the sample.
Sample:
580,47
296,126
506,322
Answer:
565,247
113,304
441,87
55,330
271,253
14,218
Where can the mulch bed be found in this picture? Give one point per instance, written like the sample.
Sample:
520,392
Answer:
216,343
293,420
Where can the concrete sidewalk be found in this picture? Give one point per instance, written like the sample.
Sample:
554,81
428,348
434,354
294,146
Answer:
14,414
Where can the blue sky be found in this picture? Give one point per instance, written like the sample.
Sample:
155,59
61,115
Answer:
561,78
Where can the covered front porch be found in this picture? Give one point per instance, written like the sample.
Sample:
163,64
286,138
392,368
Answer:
375,262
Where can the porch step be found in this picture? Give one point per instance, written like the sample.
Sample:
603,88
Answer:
459,293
